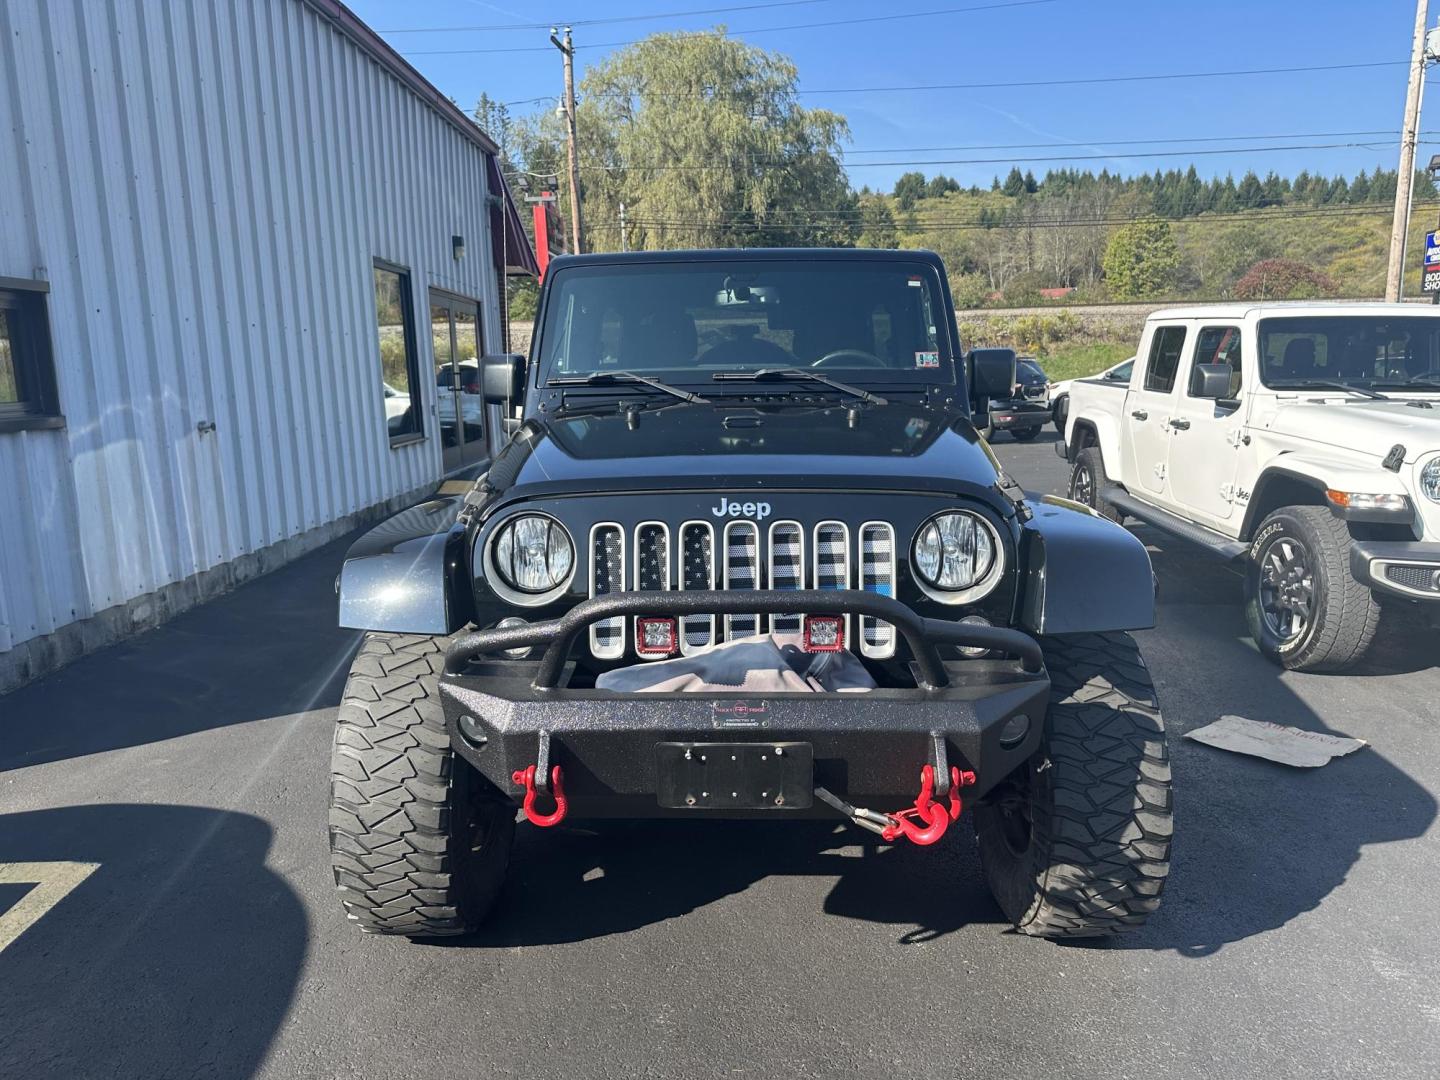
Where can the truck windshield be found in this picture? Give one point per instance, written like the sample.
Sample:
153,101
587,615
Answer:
873,321
1374,352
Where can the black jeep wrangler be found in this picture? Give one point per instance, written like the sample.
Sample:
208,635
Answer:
746,556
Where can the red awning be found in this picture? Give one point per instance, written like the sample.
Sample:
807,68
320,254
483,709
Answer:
510,246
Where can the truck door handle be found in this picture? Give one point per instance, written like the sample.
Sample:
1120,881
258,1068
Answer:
1180,425
1140,414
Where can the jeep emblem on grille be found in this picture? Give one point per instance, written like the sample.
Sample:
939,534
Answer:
757,510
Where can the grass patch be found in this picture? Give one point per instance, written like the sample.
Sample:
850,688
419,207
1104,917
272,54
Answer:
1075,361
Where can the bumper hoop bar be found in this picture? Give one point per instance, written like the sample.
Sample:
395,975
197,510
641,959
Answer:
921,634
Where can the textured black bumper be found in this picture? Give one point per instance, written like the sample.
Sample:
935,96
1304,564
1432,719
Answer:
869,747
1400,568
1019,414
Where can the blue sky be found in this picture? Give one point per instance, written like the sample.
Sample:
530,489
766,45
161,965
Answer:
1033,41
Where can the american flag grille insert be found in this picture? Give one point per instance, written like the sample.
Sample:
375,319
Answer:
742,571
607,575
652,563
787,569
832,559
877,575
697,574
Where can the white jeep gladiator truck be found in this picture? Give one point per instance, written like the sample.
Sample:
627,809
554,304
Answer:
1301,438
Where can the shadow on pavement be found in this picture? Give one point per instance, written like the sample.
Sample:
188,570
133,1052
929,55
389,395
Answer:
250,654
178,956
573,884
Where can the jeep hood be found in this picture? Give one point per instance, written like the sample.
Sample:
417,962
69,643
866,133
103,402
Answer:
899,446
1368,427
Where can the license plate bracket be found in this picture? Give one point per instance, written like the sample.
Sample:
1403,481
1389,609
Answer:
735,776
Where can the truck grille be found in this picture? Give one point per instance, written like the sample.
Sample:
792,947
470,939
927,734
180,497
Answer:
689,560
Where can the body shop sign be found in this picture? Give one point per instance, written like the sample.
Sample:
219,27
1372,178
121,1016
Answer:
1430,276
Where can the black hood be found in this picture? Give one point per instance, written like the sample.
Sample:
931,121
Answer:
900,446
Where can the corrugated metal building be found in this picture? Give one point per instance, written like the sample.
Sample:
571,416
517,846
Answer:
224,231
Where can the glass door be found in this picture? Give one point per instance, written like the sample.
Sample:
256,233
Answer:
459,406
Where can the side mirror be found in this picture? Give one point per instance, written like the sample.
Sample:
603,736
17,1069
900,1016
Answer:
1211,381
502,378
992,372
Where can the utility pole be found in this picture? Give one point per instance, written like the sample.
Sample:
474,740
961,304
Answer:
624,243
567,49
1405,181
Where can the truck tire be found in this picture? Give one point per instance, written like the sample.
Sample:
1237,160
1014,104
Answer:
1088,481
419,841
1025,434
1076,842
1305,609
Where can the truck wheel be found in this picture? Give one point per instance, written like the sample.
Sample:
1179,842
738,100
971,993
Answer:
1305,609
419,841
1088,480
1076,842
1025,434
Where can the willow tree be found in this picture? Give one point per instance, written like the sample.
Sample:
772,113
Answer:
703,139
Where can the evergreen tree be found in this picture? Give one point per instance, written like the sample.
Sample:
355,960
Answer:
1249,194
1360,188
908,189
1014,183
1030,185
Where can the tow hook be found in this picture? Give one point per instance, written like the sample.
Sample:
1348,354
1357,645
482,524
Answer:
526,778
924,823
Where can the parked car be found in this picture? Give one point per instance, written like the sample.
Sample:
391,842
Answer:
1302,440
397,408
463,386
747,557
1022,411
1060,391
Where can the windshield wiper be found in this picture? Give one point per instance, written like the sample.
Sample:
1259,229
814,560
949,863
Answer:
608,378
1317,384
782,374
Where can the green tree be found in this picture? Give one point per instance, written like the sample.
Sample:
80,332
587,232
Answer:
877,224
1141,261
704,140
1014,183
909,188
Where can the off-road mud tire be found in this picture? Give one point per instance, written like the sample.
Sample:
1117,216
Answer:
419,841
1346,615
1096,847
1089,461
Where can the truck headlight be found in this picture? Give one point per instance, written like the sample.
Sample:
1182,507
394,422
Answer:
957,555
532,553
1430,480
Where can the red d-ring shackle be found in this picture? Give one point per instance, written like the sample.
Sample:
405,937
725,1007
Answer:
526,778
936,817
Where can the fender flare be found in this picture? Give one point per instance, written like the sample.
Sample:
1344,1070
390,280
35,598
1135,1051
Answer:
407,575
1082,573
1319,475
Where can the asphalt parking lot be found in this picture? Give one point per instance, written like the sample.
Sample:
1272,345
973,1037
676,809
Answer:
188,768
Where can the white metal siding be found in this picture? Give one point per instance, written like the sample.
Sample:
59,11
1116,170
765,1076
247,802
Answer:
204,187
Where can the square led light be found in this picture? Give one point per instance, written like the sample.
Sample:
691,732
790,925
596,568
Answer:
656,637
824,633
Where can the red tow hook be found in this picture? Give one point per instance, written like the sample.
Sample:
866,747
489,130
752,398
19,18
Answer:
935,817
526,778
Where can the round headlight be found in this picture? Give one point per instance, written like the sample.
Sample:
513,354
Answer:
533,553
1430,480
954,552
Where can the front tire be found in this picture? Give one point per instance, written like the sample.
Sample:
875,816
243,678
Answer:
1076,842
1088,481
419,841
1304,607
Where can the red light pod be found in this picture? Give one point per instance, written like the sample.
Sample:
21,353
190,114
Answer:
656,637
824,633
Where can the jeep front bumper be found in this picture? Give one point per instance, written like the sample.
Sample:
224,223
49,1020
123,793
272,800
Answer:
1401,568
617,749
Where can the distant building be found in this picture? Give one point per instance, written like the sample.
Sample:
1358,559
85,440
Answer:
247,258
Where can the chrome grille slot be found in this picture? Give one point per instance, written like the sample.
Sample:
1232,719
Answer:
652,563
742,571
607,575
697,573
832,560
877,575
787,569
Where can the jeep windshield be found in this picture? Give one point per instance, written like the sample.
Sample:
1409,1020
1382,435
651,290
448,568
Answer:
864,320
1361,352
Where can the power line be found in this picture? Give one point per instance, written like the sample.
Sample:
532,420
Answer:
1092,143
599,22
1095,80
757,30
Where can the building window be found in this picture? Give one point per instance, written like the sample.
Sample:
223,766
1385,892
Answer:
27,368
399,371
